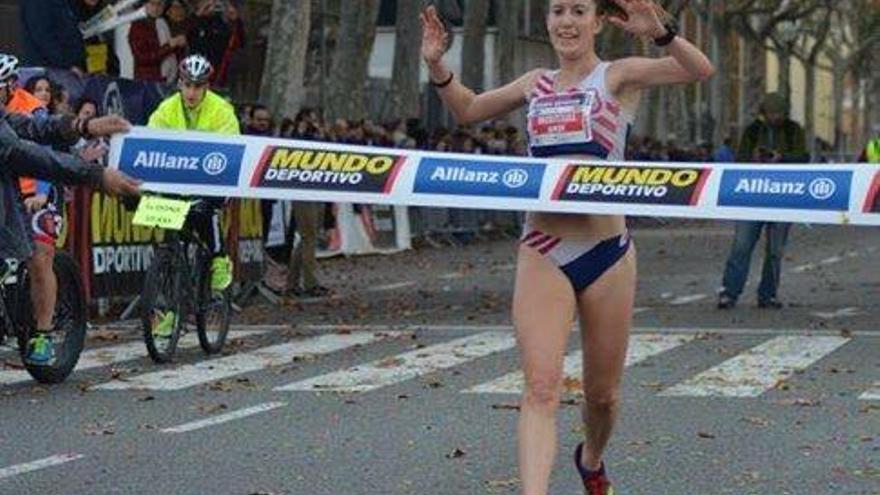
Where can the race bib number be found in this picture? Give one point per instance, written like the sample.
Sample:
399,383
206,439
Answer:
561,119
164,213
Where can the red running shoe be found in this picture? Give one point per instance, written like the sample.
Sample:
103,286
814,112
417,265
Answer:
595,482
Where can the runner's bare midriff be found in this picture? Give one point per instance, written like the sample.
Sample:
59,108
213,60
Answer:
576,224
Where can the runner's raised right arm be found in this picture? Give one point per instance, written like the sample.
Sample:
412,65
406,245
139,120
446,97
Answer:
466,106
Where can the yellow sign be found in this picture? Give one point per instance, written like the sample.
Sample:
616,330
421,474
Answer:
169,214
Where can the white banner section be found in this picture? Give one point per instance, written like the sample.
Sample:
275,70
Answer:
190,163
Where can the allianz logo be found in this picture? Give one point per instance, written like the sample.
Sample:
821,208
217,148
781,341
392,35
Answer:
212,164
513,178
821,188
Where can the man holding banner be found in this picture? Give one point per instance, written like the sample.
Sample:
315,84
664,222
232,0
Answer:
195,107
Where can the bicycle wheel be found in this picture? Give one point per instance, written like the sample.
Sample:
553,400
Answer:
213,309
161,304
69,330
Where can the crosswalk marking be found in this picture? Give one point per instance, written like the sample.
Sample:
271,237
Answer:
408,365
641,347
28,467
216,369
224,418
873,394
757,370
681,301
96,358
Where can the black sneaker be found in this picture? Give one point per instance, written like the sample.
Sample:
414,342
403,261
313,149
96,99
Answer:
771,303
316,291
311,292
726,302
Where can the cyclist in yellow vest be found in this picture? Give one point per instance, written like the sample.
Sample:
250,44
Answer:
196,108
871,154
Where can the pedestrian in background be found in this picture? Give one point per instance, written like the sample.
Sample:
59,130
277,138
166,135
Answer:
772,138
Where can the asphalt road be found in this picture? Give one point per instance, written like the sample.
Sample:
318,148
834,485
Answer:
405,382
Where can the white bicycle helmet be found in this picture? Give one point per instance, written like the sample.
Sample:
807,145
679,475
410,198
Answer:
8,68
196,69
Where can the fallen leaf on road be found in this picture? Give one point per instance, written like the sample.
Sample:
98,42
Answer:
211,408
506,406
99,429
756,420
572,385
147,398
495,485
704,434
434,384
455,454
801,402
391,362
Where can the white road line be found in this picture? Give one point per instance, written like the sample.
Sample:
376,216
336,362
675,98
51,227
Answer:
105,356
757,370
28,467
211,370
638,330
840,313
804,268
224,418
679,301
873,394
451,276
390,287
406,366
830,261
641,347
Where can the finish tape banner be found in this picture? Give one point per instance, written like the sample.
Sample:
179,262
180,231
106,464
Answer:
253,167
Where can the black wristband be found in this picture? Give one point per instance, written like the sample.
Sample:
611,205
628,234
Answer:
82,127
671,33
445,83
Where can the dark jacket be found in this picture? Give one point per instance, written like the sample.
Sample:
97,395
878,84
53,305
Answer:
21,155
217,40
788,139
50,34
85,12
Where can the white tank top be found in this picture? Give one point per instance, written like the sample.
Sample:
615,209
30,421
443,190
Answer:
584,120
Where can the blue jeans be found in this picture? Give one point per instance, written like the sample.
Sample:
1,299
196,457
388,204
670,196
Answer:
737,269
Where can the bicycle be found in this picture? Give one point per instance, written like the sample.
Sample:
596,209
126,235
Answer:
177,286
70,323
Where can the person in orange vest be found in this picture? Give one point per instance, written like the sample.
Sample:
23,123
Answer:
43,217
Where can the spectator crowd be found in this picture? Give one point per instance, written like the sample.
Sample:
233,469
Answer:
148,49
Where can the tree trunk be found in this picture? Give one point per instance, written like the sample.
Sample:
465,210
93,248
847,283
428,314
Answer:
661,130
508,14
403,102
282,85
784,57
872,122
810,108
755,77
718,84
349,74
839,75
473,55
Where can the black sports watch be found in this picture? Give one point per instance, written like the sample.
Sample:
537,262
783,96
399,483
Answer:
671,33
